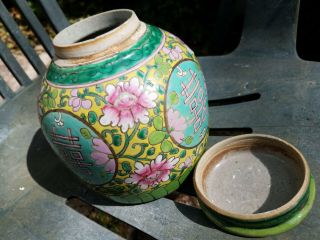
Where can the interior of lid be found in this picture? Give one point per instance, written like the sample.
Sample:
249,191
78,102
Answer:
253,178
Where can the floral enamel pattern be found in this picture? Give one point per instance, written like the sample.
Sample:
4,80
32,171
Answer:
152,174
134,129
128,103
76,101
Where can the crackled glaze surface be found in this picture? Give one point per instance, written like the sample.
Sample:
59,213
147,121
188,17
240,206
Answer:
132,125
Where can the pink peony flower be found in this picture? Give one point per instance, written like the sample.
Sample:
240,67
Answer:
174,53
127,103
187,163
177,125
152,174
76,102
101,155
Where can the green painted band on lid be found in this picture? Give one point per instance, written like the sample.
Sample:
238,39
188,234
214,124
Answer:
282,226
263,223
118,63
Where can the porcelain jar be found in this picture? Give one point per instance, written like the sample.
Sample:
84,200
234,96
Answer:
124,105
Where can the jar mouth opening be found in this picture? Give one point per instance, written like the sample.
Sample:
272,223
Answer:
96,33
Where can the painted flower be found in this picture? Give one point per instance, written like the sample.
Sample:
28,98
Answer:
152,174
76,102
177,125
102,154
187,163
174,53
127,103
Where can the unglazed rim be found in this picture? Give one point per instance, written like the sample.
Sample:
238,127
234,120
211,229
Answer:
216,149
128,26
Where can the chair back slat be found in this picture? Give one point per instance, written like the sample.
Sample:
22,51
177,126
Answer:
36,26
21,41
55,14
56,17
12,64
5,91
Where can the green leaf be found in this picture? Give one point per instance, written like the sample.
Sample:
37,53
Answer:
99,88
150,151
174,150
143,133
51,102
45,101
83,116
54,93
63,103
122,78
92,117
174,98
136,190
156,110
158,123
120,173
173,176
161,90
189,54
116,139
188,140
85,91
126,167
98,101
183,153
118,180
165,67
166,146
63,91
158,60
156,137
85,133
115,189
140,74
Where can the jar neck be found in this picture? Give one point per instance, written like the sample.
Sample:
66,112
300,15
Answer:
97,37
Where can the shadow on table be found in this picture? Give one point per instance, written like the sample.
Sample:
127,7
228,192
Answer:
195,215
48,171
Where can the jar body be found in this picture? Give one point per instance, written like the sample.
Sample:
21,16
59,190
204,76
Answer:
131,125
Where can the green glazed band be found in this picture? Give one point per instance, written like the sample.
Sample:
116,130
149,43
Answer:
275,226
122,61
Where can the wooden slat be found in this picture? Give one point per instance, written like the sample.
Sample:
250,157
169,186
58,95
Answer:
5,91
13,65
23,43
36,26
55,14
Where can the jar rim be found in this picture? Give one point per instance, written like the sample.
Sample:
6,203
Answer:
123,24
